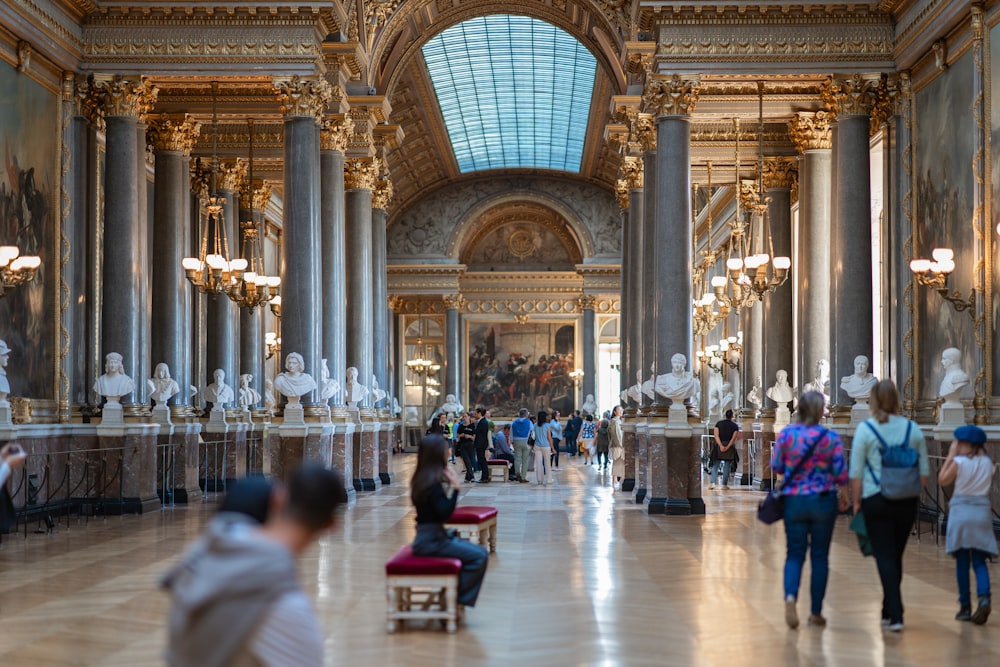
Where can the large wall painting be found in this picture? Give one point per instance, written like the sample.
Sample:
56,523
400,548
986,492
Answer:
995,198
944,203
29,134
513,366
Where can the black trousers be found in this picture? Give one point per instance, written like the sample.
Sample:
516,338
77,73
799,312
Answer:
484,468
889,523
468,457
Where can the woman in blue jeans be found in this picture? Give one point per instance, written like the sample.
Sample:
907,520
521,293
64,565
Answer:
811,458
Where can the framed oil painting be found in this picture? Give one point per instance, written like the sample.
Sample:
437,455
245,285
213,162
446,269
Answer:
513,366
30,134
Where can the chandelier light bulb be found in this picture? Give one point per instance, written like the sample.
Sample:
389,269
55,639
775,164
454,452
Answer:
942,254
719,281
273,281
782,263
734,264
920,265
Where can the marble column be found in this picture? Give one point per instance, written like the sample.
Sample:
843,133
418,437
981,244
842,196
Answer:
586,304
649,313
251,322
303,103
850,247
123,269
380,297
811,269
779,177
142,334
333,142
360,177
632,300
900,159
173,137
74,387
222,343
453,304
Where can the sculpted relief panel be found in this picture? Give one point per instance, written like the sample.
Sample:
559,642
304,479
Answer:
428,228
520,243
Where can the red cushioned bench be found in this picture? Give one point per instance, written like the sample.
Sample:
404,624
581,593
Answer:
419,587
499,467
474,522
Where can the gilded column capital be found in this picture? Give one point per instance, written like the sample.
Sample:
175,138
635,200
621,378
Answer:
335,133
382,194
232,174
302,97
978,30
810,130
125,96
456,301
632,170
200,176
853,95
749,197
670,95
586,302
173,132
396,303
642,131
884,102
88,103
781,172
377,12
262,196
360,174
360,141
621,193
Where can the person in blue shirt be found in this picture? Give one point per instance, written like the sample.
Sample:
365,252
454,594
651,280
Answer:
520,429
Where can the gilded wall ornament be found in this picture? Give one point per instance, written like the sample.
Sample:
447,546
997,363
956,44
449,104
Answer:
810,130
382,194
523,242
360,174
303,97
335,133
586,302
622,194
854,95
781,172
632,170
23,56
262,196
173,132
232,174
670,95
453,301
127,97
642,130
377,12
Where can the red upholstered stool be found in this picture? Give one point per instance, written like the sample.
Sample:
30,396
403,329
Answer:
475,522
419,587
499,467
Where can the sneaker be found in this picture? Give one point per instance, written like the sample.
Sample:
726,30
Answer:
982,611
885,622
791,615
523,481
725,487
817,620
711,487
964,613
894,626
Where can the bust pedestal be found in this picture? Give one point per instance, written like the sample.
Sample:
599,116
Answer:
951,414
5,413
161,414
294,414
112,414
782,417
677,416
217,415
859,411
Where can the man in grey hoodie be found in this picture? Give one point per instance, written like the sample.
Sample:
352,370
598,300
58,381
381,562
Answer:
236,600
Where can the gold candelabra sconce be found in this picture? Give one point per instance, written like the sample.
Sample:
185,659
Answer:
728,352
272,341
934,273
16,269
577,377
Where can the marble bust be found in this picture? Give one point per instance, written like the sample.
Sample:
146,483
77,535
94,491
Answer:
754,397
722,399
396,407
378,395
648,387
161,386
328,386
634,392
451,405
270,402
294,382
589,406
219,394
355,392
821,380
4,384
679,384
249,396
114,383
955,379
781,392
859,385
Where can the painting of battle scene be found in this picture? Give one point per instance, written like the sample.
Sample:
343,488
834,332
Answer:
943,164
29,132
513,366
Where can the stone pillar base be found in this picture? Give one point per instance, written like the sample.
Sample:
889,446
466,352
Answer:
951,415
5,414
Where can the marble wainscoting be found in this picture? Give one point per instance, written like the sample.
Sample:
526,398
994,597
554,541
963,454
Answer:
225,458
386,444
290,445
630,445
366,465
178,463
344,429
641,460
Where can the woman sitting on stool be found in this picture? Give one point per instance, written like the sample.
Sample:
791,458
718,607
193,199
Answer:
434,492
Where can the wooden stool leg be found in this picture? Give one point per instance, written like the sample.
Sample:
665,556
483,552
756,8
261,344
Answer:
451,595
493,537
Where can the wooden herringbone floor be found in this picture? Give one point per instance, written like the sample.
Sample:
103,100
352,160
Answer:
581,577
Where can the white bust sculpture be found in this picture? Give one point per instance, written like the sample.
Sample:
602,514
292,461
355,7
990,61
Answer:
396,407
161,386
270,402
114,383
451,405
722,399
859,385
355,392
821,380
955,379
378,394
589,406
679,384
328,386
294,382
249,396
4,384
780,392
634,392
648,387
754,396
219,394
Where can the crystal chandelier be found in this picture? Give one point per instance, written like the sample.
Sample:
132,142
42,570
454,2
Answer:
16,269
705,317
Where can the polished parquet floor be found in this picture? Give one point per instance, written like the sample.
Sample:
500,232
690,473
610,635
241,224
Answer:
581,577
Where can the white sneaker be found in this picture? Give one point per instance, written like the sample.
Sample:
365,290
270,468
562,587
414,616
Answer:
711,486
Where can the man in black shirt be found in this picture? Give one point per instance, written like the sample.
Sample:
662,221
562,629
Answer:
466,443
727,436
572,432
482,441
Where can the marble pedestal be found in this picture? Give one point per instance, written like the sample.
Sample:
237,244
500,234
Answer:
177,466
294,414
764,433
292,444
135,447
366,450
112,414
951,415
386,442
630,443
161,415
674,467
859,412
641,459
5,414
225,459
344,428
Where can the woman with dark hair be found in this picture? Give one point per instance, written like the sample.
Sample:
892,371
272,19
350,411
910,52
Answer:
434,493
543,448
888,521
811,458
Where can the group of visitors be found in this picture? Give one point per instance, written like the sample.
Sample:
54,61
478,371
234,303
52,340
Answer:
882,482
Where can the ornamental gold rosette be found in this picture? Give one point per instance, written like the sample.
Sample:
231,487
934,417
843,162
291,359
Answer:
173,132
303,97
810,130
125,96
670,95
586,302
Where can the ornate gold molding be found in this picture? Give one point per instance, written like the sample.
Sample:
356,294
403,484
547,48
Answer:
642,131
884,102
456,301
377,12
232,174
360,141
621,194
262,196
173,132
810,130
852,96
781,172
360,174
125,96
382,194
632,170
335,133
303,97
396,303
670,95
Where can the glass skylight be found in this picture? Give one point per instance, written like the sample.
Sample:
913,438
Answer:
514,92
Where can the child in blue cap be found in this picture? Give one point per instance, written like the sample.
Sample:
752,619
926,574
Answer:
970,522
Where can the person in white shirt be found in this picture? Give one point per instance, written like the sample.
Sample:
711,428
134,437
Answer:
970,520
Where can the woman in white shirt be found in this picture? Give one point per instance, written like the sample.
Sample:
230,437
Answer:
970,521
543,448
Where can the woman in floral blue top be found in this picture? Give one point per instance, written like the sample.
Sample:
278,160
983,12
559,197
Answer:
811,500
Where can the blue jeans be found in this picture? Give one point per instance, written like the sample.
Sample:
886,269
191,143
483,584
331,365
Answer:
978,561
726,471
809,521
